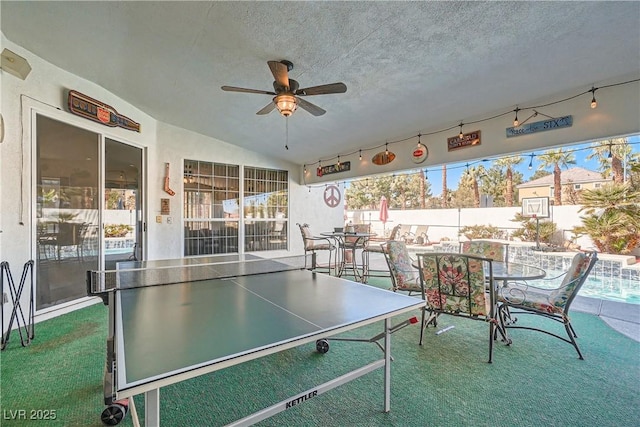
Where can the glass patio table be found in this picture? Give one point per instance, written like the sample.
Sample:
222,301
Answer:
506,271
358,241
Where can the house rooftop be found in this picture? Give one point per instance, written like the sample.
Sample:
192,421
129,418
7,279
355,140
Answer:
573,175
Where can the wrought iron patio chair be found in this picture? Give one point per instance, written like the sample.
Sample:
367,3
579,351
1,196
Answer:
497,251
552,303
375,245
454,284
315,244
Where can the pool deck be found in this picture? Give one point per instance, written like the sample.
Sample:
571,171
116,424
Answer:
623,317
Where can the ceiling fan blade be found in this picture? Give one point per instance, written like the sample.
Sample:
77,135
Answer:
312,108
267,109
280,72
323,89
241,89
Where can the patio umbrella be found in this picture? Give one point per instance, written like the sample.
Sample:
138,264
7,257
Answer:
384,212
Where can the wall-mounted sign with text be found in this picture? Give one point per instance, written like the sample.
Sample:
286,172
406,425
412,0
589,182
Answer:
550,124
328,170
467,140
91,109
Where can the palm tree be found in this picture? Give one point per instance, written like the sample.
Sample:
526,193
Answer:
508,163
470,177
611,153
445,195
556,159
612,218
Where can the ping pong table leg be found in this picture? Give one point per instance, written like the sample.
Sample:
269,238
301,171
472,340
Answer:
152,408
387,364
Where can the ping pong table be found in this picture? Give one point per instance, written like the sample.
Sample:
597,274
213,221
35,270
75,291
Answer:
224,313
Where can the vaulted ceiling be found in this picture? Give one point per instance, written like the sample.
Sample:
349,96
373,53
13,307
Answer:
409,66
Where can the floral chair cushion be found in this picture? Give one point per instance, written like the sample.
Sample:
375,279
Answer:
579,267
405,276
485,249
454,283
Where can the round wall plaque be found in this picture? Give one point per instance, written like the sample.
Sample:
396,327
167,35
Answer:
420,153
383,158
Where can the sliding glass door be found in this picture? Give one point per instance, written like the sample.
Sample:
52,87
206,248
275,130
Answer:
83,221
123,203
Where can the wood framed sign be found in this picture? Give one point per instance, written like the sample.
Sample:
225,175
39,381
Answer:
330,169
467,140
383,158
550,124
89,108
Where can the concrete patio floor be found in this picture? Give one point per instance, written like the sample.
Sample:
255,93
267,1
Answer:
623,317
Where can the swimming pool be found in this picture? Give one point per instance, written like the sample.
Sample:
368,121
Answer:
608,288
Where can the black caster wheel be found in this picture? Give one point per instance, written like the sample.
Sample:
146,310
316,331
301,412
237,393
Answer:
113,414
322,346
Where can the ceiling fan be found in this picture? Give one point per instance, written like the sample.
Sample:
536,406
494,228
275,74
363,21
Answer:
287,92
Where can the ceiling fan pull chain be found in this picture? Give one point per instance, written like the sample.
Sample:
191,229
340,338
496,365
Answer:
286,121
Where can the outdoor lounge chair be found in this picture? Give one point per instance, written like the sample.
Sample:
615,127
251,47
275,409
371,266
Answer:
454,284
553,303
404,233
420,235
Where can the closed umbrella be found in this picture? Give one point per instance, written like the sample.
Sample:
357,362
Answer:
384,212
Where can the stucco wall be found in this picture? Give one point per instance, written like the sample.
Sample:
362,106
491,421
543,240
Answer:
44,92
445,223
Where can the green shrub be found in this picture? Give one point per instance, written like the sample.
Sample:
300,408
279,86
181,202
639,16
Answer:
529,226
117,230
473,232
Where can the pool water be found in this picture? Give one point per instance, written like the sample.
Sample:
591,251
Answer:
608,288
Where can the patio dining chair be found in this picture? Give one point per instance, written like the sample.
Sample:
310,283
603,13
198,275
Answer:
454,284
497,251
550,303
404,277
315,244
375,245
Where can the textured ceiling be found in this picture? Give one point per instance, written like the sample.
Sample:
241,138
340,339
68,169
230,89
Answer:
409,66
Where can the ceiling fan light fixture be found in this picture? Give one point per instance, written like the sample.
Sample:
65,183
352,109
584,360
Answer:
286,104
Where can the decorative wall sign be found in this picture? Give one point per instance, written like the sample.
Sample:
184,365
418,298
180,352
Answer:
91,109
383,158
332,196
166,187
550,124
338,167
420,153
468,139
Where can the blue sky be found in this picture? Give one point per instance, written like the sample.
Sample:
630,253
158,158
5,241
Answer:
454,171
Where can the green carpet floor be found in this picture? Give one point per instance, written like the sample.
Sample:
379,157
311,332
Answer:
447,382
